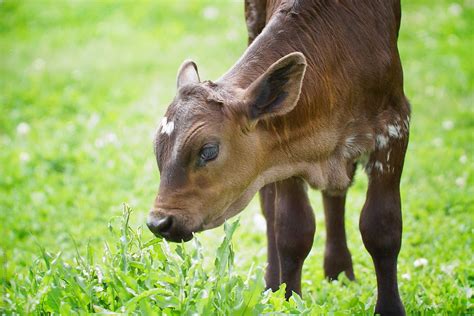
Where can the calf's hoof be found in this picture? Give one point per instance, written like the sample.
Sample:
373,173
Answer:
390,309
336,262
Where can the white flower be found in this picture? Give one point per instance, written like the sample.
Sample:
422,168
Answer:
232,35
468,292
438,142
100,276
38,64
420,262
93,120
259,222
463,159
448,125
109,138
76,74
24,157
460,182
110,164
448,269
406,276
210,13
455,9
23,128
98,288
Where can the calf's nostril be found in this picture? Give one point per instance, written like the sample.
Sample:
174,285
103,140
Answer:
164,224
159,226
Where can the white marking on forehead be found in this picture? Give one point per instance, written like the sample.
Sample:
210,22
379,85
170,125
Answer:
166,127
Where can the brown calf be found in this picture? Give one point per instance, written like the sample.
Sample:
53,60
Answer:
319,89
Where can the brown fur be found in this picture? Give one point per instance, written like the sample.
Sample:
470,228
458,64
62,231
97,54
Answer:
282,119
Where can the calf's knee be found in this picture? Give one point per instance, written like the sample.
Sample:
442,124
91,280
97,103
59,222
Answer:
381,229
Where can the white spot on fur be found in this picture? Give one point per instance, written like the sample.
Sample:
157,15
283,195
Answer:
349,147
388,155
406,122
352,148
381,141
378,165
394,131
166,127
350,140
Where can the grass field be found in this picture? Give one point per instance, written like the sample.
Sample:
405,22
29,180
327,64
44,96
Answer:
82,87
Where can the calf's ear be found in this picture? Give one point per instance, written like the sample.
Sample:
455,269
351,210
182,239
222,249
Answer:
187,74
278,89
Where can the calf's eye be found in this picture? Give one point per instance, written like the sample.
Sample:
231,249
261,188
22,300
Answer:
208,152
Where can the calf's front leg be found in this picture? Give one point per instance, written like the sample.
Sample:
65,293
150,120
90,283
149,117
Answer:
294,231
381,229
267,203
381,222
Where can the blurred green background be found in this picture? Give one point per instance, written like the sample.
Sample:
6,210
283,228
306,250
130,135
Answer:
83,85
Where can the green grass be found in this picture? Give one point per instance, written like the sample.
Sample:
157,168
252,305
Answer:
82,87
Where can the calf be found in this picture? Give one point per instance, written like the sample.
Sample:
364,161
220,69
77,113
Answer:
318,90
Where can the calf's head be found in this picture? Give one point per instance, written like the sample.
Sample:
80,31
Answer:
210,151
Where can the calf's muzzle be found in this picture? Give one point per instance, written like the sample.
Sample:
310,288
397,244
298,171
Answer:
168,227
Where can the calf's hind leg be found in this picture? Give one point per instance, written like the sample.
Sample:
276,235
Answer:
381,220
337,257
